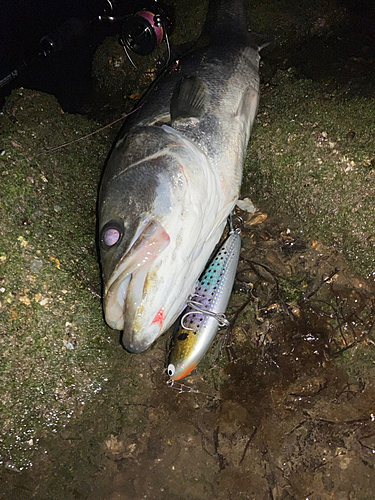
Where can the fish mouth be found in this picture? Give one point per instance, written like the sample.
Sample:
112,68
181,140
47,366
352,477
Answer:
124,302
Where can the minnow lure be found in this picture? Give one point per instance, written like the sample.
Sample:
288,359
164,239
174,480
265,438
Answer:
204,313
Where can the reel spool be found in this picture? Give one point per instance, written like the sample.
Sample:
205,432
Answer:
143,31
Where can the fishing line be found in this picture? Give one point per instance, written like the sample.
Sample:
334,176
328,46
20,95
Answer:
180,387
56,148
183,388
168,58
130,59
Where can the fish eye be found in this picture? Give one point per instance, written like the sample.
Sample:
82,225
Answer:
111,234
171,370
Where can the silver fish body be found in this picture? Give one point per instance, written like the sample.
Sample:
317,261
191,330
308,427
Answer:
201,319
174,176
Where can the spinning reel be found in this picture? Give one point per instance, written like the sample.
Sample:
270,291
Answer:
143,31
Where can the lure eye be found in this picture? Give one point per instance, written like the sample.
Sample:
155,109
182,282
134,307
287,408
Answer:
111,234
171,370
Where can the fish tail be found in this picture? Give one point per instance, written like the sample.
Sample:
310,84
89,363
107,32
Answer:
225,19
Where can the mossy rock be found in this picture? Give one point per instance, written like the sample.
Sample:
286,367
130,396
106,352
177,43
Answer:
311,158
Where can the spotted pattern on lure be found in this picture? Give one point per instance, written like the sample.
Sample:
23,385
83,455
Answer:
205,310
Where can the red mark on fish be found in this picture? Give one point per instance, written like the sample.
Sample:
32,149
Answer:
159,317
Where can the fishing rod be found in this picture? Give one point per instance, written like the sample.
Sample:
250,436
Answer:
142,31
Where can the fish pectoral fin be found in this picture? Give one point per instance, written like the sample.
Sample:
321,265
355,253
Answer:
248,105
188,99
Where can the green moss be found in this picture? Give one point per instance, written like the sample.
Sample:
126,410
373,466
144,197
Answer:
190,16
310,158
48,265
292,20
359,362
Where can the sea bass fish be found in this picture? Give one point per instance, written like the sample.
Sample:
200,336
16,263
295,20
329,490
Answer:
174,176
205,311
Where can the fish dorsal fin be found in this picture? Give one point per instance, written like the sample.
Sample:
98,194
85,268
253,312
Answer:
188,98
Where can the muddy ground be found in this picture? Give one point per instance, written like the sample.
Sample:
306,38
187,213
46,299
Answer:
282,407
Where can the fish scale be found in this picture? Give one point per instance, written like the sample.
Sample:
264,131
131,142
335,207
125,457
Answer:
198,329
174,176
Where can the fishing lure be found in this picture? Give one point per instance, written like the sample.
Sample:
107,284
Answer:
205,309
